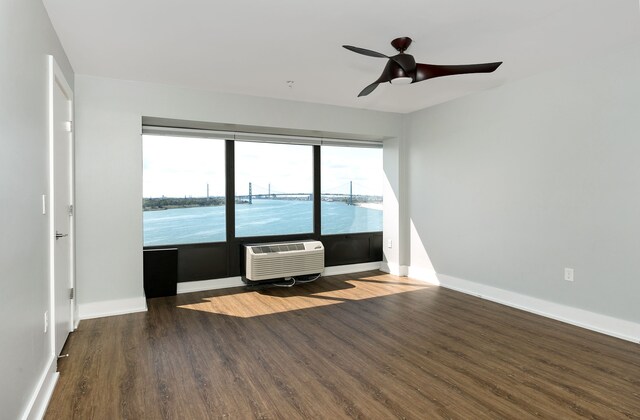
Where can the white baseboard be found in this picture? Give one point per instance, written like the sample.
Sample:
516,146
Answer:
604,324
224,283
127,306
112,307
395,269
204,285
404,271
351,268
423,274
42,394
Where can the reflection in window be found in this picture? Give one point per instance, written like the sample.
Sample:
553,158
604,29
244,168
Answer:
352,182
183,190
274,189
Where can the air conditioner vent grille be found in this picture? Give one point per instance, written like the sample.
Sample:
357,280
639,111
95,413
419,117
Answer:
270,249
272,261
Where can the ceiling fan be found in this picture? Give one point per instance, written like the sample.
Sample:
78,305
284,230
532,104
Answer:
402,68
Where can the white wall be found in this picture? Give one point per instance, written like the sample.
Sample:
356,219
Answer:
395,235
392,198
26,38
109,164
509,186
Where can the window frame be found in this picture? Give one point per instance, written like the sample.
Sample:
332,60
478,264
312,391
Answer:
314,231
338,146
226,173
340,249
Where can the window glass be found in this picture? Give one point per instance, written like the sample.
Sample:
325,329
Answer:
274,189
351,186
183,190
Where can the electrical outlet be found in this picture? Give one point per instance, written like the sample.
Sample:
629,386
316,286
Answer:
389,243
568,274
46,321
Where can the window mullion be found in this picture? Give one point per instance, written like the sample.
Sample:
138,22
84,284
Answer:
317,199
230,190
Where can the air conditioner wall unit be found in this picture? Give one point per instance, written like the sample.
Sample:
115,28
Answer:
278,260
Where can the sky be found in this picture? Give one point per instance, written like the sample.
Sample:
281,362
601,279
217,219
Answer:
183,166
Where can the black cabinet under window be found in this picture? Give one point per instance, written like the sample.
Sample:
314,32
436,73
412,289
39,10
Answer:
160,272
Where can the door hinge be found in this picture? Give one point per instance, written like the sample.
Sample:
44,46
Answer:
71,293
70,209
68,126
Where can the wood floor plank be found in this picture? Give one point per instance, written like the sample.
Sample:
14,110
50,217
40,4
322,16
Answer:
564,361
567,365
368,345
482,368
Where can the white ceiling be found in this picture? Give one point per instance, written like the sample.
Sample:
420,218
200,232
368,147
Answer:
254,47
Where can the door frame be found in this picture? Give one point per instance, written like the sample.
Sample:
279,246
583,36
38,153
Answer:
57,78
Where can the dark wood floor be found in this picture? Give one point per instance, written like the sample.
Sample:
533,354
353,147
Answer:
368,346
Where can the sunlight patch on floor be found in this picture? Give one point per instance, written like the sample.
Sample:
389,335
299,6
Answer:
278,300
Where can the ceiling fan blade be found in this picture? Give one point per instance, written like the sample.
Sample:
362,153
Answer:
387,75
405,61
430,71
368,89
364,51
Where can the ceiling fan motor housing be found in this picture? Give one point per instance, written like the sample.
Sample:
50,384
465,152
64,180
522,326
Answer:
401,66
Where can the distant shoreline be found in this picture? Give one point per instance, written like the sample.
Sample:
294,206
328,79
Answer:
160,204
178,206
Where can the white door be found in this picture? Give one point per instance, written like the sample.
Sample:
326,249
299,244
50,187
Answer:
62,185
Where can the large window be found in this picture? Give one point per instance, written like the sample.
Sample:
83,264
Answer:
352,182
187,182
208,196
183,190
273,189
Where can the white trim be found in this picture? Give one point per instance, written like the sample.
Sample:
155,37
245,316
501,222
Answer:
604,324
404,271
61,80
257,137
126,306
423,274
351,268
169,127
52,230
389,268
44,390
57,78
395,269
228,282
112,307
204,285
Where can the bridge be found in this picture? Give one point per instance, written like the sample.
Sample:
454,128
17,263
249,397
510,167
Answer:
296,196
288,196
279,196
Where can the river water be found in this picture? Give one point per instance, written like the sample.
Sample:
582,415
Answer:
263,217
